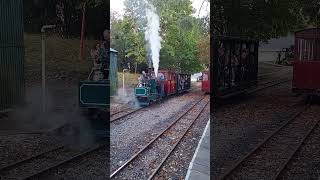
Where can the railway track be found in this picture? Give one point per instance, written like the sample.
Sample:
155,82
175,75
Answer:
123,113
42,163
270,157
117,112
160,146
128,111
268,84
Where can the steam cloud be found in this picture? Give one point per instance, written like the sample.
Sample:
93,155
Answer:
153,37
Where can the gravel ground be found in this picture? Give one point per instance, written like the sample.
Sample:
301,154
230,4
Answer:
305,164
122,112
134,130
16,142
177,164
268,159
17,147
92,166
248,121
145,164
40,163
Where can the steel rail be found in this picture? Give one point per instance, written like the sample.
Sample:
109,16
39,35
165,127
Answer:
124,109
73,158
15,164
136,110
154,139
123,116
236,165
268,86
175,145
283,166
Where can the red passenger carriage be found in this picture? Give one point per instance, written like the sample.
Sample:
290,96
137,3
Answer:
205,84
169,83
306,67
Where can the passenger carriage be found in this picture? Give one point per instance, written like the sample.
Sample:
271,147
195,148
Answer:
234,66
205,83
306,66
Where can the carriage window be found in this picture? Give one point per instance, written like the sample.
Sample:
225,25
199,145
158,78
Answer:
205,77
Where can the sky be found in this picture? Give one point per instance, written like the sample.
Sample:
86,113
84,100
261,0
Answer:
117,5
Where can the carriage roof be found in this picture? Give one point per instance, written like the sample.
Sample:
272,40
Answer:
311,33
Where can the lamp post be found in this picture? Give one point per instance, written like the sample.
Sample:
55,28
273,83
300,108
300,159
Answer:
43,63
124,70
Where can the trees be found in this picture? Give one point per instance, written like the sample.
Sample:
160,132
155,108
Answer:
181,34
126,39
260,19
37,13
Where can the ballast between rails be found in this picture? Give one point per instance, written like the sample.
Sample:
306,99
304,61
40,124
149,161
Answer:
154,139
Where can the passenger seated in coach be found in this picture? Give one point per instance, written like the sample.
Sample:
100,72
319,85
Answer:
221,61
234,65
244,62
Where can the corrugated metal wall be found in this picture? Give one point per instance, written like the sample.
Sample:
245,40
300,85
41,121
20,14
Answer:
11,53
113,73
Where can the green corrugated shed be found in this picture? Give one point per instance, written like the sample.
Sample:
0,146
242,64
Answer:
113,72
11,53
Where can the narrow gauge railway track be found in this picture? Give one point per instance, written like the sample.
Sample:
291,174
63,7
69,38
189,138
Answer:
273,75
270,157
39,164
117,112
268,84
169,137
281,72
126,113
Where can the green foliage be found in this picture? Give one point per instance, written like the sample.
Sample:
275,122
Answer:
309,11
180,33
180,49
126,39
38,13
260,19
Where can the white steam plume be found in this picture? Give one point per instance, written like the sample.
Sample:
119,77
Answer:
153,37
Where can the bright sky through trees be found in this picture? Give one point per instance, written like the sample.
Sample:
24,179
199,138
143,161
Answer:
117,5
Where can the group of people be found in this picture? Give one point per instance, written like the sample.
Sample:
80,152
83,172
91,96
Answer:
99,56
233,65
144,79
182,81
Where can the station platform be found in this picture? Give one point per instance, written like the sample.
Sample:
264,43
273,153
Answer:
199,168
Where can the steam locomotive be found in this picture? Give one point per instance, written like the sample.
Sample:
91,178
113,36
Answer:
94,94
152,88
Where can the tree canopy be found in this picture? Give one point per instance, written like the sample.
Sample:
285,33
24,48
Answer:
263,19
38,13
184,37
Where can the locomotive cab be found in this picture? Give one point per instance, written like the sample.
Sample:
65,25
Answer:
146,93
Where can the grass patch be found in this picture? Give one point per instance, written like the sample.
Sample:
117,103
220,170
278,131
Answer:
131,79
62,58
